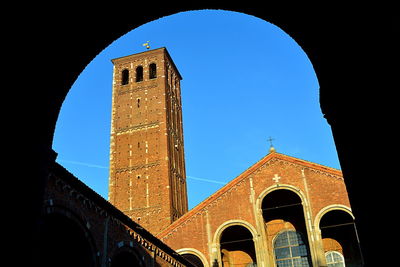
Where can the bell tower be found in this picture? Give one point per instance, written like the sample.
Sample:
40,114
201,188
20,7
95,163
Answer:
147,167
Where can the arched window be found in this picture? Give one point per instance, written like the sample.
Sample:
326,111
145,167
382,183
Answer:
334,259
152,71
290,250
338,232
139,74
237,247
125,77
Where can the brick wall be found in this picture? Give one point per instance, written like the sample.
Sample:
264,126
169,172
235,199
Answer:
239,202
105,228
147,169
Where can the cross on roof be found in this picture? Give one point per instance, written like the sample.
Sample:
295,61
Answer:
270,139
147,44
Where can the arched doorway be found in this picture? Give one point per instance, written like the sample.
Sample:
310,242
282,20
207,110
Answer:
237,247
64,242
285,228
339,238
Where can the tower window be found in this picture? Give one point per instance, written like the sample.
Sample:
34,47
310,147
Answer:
139,74
152,71
125,77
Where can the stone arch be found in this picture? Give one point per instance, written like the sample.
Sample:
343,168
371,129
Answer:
306,229
217,248
325,56
65,240
338,232
272,188
195,252
222,227
326,209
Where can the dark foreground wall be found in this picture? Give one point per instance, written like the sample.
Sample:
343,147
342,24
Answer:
80,228
350,48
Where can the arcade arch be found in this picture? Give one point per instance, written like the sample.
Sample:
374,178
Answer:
283,214
237,247
194,256
236,244
339,234
65,241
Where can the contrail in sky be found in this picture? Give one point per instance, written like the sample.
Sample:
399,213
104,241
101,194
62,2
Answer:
106,167
205,180
83,164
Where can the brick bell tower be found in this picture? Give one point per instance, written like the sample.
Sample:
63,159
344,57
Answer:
147,166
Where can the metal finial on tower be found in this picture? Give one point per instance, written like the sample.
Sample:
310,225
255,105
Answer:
147,44
271,148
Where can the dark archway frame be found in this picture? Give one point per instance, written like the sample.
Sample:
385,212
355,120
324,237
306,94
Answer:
76,222
348,47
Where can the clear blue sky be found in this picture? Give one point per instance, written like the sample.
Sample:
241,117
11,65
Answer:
244,80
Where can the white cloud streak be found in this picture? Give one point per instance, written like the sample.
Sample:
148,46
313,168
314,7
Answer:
90,165
205,180
83,164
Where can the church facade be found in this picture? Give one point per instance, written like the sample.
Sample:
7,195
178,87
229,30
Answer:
282,211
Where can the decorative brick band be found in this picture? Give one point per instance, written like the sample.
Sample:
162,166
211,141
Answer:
148,165
138,127
122,92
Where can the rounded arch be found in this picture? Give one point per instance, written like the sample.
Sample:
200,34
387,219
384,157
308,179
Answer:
237,246
329,208
195,252
222,227
273,188
286,206
81,51
338,232
65,240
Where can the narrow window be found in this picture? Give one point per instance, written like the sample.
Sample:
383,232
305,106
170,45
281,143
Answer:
138,102
139,74
125,77
152,71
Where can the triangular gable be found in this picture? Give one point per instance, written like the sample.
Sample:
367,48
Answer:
243,175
